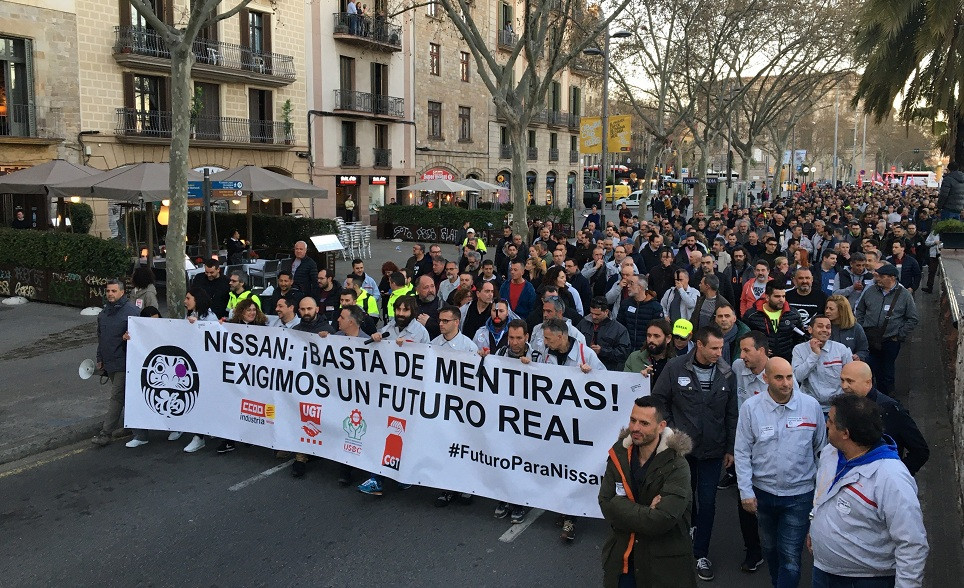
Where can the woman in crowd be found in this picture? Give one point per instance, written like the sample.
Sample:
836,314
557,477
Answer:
247,312
144,293
556,276
844,327
535,271
197,308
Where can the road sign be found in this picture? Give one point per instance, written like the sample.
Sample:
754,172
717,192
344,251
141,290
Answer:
195,189
226,185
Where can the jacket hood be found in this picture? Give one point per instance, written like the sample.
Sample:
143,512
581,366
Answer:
760,302
678,441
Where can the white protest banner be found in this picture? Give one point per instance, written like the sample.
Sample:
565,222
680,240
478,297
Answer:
531,434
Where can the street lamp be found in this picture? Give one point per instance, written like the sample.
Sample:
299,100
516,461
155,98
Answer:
604,159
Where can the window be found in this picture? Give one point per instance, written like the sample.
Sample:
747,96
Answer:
379,79
435,120
256,32
465,123
432,8
349,149
146,105
574,143
435,59
255,40
555,97
503,136
532,139
464,65
553,141
575,100
346,73
207,126
260,114
17,117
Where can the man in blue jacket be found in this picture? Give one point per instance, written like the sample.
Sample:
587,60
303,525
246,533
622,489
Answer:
112,359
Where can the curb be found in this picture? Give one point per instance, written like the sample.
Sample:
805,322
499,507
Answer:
55,439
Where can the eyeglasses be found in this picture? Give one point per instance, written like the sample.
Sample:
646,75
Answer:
442,320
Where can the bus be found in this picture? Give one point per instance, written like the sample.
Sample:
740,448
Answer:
912,178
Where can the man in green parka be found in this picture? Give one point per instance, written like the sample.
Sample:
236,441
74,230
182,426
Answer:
646,498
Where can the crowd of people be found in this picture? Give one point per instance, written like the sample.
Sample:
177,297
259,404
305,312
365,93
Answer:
769,336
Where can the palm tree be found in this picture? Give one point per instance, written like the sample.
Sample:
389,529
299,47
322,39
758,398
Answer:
914,48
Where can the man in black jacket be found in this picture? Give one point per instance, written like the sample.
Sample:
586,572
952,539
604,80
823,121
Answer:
304,270
950,201
663,276
699,392
216,285
609,339
856,378
708,267
773,316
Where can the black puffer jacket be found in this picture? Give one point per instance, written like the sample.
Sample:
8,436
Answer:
951,197
789,330
636,316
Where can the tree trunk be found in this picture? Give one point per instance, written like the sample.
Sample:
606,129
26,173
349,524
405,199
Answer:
182,60
520,194
700,193
651,173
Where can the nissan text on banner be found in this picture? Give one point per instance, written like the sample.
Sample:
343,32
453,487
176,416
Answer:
531,434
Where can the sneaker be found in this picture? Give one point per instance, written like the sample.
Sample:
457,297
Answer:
371,486
465,498
519,514
445,499
402,486
502,510
174,436
568,530
298,469
226,447
135,442
101,440
751,563
196,444
704,569
727,481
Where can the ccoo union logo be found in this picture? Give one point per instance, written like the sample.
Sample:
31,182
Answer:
257,413
170,381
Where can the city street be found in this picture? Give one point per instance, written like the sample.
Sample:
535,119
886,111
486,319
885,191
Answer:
155,515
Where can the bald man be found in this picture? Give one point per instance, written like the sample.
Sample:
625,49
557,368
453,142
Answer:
304,270
778,438
856,378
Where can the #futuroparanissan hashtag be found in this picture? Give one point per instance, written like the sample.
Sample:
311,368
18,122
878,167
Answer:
453,450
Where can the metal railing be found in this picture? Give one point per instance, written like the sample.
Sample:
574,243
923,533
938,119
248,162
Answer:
371,103
553,154
532,153
573,157
349,156
557,118
573,120
378,29
507,39
146,41
18,120
505,152
383,158
539,118
159,124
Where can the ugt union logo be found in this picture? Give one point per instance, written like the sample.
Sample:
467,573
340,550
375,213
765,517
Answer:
170,381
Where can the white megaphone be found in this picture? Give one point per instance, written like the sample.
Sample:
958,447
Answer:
86,369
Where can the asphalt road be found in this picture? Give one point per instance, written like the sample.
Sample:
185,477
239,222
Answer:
156,516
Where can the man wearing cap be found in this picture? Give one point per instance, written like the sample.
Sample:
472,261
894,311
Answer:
699,392
479,243
888,314
682,338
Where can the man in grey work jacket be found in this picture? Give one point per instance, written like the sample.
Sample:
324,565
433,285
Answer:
778,438
699,392
872,313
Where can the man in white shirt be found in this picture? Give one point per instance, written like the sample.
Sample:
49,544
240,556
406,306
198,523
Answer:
403,328
817,363
451,337
285,308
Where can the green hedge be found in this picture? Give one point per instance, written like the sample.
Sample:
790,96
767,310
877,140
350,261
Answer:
453,216
270,231
64,252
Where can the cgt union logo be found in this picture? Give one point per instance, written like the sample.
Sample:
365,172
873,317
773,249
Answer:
393,443
310,422
257,413
355,427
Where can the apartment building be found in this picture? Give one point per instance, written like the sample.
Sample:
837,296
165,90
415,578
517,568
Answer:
93,78
458,131
361,100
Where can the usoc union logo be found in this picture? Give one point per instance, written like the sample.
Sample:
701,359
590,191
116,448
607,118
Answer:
169,381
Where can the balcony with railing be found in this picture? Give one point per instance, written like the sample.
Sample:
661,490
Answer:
145,49
378,104
505,151
553,154
573,156
156,126
532,153
507,39
26,123
376,33
383,158
573,121
350,156
557,118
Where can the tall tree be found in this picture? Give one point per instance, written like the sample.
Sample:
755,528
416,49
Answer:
545,37
179,40
913,49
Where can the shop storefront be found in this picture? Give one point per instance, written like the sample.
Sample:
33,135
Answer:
550,188
346,187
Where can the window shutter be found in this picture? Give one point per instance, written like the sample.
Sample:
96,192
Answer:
125,14
245,19
168,15
266,20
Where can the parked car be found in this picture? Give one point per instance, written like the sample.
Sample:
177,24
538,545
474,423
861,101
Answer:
633,200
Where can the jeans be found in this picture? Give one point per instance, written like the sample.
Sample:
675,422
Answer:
822,579
704,475
115,407
883,364
784,522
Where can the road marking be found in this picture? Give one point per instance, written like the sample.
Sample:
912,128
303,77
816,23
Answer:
260,476
42,462
515,530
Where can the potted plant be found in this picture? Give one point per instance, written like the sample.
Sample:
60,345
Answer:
951,232
289,127
197,104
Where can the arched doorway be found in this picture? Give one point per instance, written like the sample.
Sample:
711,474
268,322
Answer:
571,188
531,186
504,179
550,188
